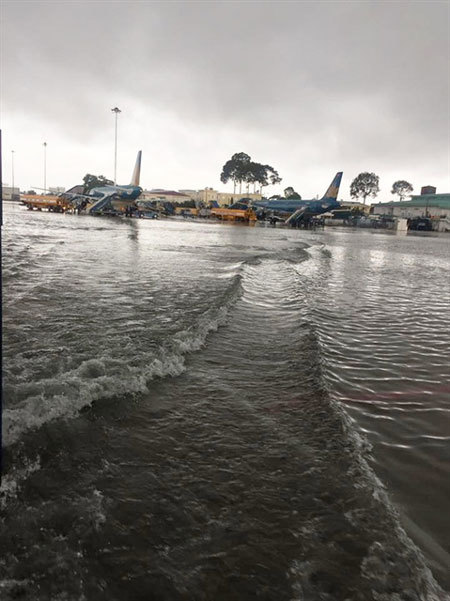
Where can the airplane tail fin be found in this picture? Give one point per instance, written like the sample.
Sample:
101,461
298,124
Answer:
333,188
137,170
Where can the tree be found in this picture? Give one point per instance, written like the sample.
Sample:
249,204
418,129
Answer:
31,192
364,185
243,167
256,174
95,181
240,168
402,188
250,174
273,175
260,175
236,169
291,194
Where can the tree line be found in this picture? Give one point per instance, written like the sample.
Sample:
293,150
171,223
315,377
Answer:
240,169
367,185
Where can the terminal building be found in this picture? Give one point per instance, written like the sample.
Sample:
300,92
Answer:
224,199
426,204
164,195
205,196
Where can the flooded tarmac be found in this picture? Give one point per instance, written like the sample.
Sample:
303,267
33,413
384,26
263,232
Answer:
214,412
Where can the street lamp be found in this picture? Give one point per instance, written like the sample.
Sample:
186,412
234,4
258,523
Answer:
12,174
116,111
45,167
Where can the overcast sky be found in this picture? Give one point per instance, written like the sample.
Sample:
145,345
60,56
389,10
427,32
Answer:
309,87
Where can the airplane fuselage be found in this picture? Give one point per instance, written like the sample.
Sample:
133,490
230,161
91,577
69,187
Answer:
281,205
128,192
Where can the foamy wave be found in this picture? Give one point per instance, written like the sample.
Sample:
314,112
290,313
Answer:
11,483
13,588
97,512
193,339
104,377
380,569
393,556
65,395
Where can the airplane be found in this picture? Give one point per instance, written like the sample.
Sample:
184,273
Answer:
299,210
109,198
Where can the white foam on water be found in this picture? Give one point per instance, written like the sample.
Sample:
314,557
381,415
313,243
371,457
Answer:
12,481
104,377
380,568
397,558
9,585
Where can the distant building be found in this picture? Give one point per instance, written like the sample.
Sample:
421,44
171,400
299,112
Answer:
10,193
224,199
353,204
204,196
191,193
165,195
432,205
207,195
227,198
428,190
57,190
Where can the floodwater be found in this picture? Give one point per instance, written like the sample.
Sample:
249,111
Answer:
208,412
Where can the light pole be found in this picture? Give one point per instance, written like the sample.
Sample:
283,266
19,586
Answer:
12,174
116,111
45,167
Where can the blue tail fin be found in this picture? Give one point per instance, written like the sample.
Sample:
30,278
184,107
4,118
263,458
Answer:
333,189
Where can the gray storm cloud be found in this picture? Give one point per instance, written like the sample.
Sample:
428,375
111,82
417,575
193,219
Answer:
357,83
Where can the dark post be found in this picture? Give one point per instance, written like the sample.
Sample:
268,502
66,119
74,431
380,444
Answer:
1,301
